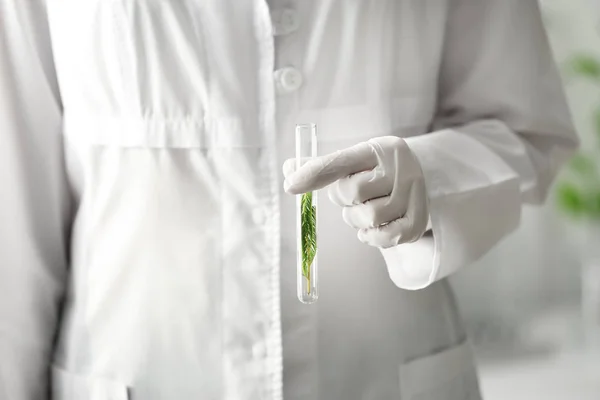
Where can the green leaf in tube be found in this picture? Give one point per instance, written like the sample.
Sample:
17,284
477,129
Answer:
308,225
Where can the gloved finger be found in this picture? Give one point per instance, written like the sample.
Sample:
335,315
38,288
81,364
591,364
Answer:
321,171
360,187
388,235
291,164
407,229
374,213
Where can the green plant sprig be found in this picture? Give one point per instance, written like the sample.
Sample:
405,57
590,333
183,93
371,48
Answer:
308,227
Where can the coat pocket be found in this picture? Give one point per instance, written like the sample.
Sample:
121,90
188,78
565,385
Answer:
69,386
446,375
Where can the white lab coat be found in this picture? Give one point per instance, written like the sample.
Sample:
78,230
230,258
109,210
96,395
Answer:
142,213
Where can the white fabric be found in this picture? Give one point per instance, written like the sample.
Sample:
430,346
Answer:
379,184
427,377
68,386
141,190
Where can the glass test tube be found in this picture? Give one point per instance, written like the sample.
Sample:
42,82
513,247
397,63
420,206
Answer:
306,220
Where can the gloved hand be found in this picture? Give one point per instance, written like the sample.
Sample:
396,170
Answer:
379,184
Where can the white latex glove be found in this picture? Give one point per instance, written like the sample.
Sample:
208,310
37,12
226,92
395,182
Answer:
379,184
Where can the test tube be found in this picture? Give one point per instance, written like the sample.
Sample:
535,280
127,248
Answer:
306,220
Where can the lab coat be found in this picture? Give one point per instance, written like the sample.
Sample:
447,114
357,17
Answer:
147,247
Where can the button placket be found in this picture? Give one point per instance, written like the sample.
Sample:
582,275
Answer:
288,78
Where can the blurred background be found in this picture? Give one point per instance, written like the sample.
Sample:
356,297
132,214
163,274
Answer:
532,305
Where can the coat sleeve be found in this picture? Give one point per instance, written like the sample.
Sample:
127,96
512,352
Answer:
34,201
501,132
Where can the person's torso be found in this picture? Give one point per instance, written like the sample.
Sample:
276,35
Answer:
177,117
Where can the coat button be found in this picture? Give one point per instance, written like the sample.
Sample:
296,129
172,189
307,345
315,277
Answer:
288,80
259,216
284,21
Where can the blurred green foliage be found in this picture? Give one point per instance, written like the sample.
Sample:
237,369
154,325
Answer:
585,65
578,193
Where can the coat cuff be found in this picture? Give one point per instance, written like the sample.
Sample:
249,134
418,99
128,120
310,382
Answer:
474,201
